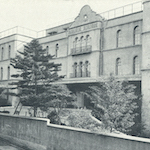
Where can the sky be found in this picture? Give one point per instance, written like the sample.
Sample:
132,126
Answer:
42,14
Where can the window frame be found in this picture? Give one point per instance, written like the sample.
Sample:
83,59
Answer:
47,50
118,66
81,69
56,50
1,73
2,54
75,69
136,36
9,51
87,68
119,38
8,72
136,65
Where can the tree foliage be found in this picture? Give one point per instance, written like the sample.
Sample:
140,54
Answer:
116,102
3,99
35,73
57,97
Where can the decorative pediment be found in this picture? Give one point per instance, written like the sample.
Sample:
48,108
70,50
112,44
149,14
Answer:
86,16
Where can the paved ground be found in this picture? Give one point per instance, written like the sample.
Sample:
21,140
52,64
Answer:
7,146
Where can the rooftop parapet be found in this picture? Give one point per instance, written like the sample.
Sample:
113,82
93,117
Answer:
18,30
114,13
122,11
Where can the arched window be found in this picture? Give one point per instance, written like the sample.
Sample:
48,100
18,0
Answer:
47,50
81,69
75,69
136,36
9,52
88,40
76,42
56,50
81,43
2,54
1,73
119,39
8,73
118,66
87,74
136,68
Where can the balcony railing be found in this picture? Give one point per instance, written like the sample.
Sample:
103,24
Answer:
80,75
81,50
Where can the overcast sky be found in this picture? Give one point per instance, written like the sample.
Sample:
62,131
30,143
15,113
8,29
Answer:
42,14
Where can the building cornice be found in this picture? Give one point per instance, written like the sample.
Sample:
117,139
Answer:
146,1
120,48
123,23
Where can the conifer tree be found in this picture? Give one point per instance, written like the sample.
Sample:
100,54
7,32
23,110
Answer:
35,73
3,99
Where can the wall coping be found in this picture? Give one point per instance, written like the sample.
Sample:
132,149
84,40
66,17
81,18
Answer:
112,135
25,117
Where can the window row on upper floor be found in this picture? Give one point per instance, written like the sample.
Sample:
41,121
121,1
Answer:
82,41
6,54
81,70
82,45
56,50
2,73
136,37
135,66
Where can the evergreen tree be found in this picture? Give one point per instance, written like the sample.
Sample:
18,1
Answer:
3,99
35,73
115,102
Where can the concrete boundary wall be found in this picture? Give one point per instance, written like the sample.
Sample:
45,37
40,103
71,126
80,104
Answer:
39,134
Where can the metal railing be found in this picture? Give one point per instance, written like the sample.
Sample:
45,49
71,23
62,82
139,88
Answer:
80,74
18,30
121,11
118,12
81,50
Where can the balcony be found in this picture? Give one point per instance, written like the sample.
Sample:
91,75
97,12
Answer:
80,75
81,50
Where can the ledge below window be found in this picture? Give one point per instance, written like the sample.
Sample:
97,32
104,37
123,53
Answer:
79,75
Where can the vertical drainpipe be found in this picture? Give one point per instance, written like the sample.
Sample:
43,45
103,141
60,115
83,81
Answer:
67,36
101,49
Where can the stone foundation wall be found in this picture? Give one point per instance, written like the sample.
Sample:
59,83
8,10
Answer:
39,134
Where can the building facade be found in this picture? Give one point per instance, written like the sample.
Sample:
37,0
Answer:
11,41
92,47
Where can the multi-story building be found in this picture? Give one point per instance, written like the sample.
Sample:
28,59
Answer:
11,41
91,48
94,46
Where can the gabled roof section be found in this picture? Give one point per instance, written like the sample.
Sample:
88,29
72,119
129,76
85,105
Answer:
86,16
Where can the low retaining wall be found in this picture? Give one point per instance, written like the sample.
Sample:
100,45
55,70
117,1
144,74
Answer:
39,134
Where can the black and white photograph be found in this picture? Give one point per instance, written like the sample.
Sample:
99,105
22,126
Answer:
75,75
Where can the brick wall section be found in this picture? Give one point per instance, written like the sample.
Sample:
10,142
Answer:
55,137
